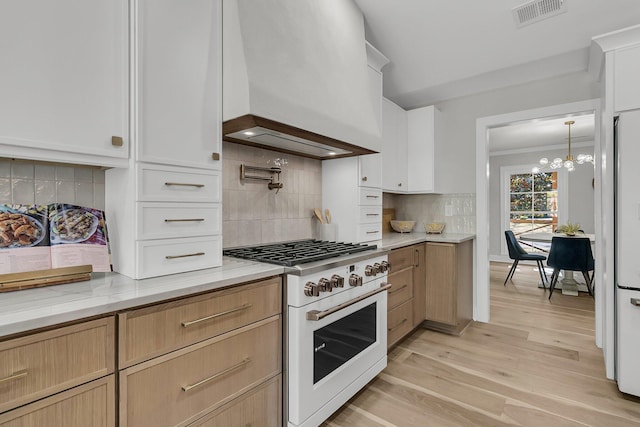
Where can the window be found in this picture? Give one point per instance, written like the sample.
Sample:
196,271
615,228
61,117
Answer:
532,202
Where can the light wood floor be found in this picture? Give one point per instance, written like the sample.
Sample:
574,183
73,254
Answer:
534,364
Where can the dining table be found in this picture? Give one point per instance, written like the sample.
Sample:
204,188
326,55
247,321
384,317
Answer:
568,284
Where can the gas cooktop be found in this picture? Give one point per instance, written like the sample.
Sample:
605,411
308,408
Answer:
297,252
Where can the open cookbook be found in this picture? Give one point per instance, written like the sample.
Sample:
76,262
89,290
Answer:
41,237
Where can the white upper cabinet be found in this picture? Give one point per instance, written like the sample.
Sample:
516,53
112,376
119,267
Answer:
370,170
179,88
627,79
394,148
423,128
64,81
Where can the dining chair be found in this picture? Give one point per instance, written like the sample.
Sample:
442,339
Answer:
573,254
517,254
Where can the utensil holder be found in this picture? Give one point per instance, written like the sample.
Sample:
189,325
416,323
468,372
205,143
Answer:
327,232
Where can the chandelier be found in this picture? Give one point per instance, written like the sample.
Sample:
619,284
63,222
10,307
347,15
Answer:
568,162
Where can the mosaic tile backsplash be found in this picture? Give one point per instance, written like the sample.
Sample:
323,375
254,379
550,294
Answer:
24,182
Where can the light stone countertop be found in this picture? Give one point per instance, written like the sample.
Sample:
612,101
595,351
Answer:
398,240
28,309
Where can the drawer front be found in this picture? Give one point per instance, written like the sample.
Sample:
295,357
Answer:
167,184
401,258
182,386
259,407
156,330
170,256
370,214
399,322
91,404
176,220
370,197
402,289
41,364
369,232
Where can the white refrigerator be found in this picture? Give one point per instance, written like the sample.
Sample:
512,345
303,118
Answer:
627,251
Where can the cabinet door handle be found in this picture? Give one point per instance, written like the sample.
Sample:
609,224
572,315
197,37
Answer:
635,301
400,184
185,220
364,178
14,376
218,375
316,315
183,184
184,256
399,289
213,316
117,141
417,263
391,329
215,156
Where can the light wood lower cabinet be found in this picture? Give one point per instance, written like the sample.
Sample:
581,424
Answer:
91,404
184,385
407,293
43,363
151,331
449,290
257,408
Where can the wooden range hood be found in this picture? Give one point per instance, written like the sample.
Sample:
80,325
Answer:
271,135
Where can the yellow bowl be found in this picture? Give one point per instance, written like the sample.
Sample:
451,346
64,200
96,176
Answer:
434,227
402,226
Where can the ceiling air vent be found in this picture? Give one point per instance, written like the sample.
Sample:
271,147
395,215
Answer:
537,10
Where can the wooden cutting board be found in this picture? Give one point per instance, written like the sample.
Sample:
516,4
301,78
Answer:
387,215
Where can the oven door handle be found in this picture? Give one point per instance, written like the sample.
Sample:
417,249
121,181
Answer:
319,315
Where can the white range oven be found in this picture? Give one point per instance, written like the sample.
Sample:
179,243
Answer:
335,327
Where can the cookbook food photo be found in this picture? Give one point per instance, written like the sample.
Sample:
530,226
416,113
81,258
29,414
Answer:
40,237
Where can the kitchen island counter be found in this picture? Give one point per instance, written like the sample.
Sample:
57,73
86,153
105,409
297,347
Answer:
398,240
29,309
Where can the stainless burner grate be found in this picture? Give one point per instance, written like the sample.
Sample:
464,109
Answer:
297,252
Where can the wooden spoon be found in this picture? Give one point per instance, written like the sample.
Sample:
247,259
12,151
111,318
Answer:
318,214
327,215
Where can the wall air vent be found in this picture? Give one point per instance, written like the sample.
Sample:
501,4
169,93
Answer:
537,10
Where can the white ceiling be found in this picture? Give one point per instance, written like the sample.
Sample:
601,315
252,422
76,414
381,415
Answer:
443,49
542,134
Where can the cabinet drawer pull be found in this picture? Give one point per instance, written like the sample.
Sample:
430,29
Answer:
364,178
117,141
184,256
183,184
399,289
213,316
397,326
372,232
372,197
218,375
16,376
185,220
373,214
215,156
635,301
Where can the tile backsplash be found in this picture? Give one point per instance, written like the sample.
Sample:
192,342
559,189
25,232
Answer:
253,214
425,208
23,182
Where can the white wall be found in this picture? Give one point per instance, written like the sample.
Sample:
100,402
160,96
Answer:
581,193
459,119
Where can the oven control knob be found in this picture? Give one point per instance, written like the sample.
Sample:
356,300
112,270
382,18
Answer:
355,280
371,270
337,281
386,265
311,289
381,268
325,285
